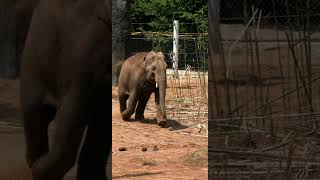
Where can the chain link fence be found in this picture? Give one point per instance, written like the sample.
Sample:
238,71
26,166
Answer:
186,95
267,90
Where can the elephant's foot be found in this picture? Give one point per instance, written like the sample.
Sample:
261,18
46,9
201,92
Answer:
125,117
126,114
139,116
29,160
162,122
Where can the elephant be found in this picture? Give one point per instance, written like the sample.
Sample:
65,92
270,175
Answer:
65,78
140,76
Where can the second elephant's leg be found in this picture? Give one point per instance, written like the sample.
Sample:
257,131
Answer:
132,103
70,124
143,100
36,121
36,118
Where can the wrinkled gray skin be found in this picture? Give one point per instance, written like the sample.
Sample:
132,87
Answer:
65,78
140,76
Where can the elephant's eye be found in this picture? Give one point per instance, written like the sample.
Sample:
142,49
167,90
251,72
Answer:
153,68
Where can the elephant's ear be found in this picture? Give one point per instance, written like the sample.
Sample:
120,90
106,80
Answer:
161,55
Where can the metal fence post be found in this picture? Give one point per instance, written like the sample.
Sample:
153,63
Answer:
175,47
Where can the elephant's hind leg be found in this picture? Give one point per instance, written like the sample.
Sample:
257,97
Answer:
143,100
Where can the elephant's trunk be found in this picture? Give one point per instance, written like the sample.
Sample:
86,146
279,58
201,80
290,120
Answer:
162,94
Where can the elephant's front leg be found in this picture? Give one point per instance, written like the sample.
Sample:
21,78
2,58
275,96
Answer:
132,103
143,100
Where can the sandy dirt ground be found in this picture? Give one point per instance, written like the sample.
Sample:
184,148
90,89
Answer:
143,150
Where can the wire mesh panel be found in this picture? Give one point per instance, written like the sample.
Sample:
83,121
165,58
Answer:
267,90
274,63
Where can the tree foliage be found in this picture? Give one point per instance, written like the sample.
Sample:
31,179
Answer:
158,15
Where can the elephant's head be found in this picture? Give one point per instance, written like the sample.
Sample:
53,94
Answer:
155,67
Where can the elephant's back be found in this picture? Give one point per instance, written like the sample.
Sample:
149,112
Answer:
136,58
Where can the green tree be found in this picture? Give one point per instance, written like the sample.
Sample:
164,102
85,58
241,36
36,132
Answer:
160,14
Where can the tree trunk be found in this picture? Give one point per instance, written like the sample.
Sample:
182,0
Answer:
215,50
215,55
120,34
7,44
15,17
21,20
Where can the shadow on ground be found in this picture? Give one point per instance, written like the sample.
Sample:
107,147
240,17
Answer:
135,175
172,124
8,111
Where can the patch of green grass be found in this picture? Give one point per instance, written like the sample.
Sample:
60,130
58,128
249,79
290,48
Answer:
197,158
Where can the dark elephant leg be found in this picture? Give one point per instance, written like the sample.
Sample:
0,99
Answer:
132,103
123,102
143,100
40,44
95,151
36,118
67,137
36,121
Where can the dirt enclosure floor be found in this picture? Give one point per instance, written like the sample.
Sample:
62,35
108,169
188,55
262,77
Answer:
173,152
143,150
